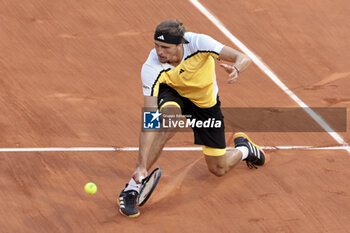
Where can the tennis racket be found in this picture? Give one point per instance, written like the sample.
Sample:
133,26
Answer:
148,185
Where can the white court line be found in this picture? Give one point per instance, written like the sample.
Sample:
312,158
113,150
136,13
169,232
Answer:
92,149
270,74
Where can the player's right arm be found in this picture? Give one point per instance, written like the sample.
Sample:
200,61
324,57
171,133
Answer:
146,139
145,143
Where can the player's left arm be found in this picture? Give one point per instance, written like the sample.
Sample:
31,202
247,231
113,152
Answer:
240,62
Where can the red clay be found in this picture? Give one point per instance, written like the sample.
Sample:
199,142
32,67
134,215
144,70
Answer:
70,77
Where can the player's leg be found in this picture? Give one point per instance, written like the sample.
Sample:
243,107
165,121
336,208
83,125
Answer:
220,161
170,108
151,146
151,143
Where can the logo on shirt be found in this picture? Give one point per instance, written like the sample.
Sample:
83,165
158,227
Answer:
161,37
151,120
181,71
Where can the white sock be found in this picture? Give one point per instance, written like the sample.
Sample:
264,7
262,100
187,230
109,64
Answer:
132,186
244,151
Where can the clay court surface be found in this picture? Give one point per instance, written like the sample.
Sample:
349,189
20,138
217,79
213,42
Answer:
70,77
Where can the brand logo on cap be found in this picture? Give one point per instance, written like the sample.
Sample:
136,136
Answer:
161,37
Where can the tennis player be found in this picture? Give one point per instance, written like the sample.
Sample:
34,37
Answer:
179,78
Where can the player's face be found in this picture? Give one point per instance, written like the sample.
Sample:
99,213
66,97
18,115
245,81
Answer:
166,52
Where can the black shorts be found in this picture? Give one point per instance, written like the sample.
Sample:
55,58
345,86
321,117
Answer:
210,137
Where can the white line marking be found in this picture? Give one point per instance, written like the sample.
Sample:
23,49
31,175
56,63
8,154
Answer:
270,74
92,149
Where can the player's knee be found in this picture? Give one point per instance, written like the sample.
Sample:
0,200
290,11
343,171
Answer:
171,113
217,170
170,108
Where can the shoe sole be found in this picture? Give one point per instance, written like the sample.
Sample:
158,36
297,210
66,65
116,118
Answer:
130,216
240,134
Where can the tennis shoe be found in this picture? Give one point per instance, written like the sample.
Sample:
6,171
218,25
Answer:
127,203
256,155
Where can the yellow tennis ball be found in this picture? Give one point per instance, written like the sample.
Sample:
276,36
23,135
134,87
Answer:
90,188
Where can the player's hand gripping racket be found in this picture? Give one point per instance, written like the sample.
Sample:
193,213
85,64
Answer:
148,185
